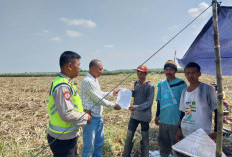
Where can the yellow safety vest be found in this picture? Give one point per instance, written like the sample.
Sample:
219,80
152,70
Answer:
56,124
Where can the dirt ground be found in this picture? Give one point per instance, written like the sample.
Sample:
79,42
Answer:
24,119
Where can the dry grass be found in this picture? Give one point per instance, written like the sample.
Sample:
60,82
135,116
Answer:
24,118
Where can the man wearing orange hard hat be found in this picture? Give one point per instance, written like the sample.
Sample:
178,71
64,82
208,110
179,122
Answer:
143,68
143,94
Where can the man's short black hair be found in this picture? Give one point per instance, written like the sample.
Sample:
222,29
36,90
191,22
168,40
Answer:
68,56
94,62
193,65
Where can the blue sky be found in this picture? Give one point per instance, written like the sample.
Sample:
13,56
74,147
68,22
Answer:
121,33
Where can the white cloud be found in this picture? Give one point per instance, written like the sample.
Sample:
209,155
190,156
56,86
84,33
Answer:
56,39
80,22
109,46
45,31
174,27
73,33
194,12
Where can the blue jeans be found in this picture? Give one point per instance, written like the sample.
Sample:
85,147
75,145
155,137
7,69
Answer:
93,138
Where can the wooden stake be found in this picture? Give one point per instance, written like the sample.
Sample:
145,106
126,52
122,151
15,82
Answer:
219,80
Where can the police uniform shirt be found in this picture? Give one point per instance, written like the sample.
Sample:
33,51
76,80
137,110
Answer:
63,101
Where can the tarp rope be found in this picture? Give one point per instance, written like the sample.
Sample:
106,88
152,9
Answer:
133,71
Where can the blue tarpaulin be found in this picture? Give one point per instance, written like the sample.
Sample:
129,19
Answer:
202,49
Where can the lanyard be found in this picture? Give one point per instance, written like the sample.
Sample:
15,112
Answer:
172,95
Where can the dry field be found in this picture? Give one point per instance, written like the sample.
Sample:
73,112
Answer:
24,118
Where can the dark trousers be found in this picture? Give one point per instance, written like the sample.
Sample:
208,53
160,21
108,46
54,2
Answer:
167,138
63,148
133,124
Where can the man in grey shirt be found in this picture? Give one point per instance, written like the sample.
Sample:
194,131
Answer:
143,94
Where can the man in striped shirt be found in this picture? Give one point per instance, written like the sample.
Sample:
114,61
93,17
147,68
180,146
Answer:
93,100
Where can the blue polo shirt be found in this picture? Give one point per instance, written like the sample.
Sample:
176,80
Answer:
169,112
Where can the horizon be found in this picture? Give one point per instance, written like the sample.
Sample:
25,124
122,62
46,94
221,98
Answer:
105,70
122,34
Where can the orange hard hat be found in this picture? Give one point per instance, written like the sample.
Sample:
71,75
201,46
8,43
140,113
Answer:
142,68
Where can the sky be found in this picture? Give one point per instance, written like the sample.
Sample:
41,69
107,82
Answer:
120,33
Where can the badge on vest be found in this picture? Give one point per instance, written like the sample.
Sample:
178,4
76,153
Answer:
67,95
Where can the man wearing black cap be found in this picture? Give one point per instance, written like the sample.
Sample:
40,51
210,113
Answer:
168,114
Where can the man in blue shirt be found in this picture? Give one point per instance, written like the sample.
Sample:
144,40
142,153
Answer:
168,114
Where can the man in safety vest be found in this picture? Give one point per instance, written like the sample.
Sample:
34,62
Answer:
65,109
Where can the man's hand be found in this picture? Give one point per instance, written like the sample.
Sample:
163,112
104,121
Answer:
179,135
213,136
131,108
88,111
89,119
115,93
157,120
89,116
117,107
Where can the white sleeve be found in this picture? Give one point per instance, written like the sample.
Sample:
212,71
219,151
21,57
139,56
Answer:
96,95
105,93
182,106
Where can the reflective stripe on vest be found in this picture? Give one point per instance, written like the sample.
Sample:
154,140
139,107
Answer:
62,129
56,124
54,111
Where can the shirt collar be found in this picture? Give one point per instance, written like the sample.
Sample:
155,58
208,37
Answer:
171,81
91,76
65,76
